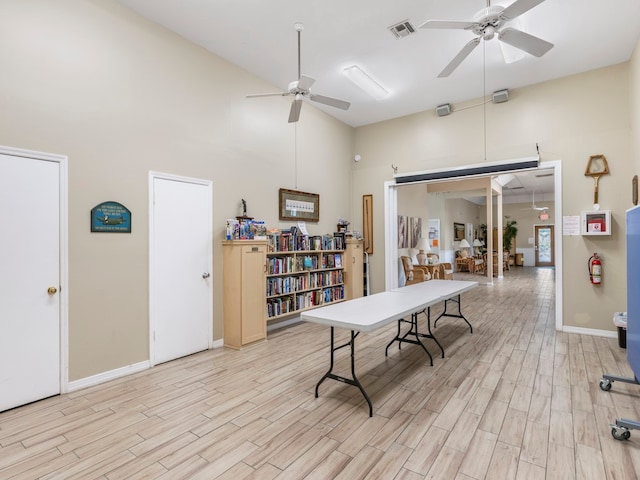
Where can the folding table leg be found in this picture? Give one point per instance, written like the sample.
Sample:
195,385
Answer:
413,331
430,334
349,381
455,315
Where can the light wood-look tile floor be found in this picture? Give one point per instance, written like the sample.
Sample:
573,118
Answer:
513,400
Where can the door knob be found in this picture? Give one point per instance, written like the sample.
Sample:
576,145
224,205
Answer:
206,275
51,290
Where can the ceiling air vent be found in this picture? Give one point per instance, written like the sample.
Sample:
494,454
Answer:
402,29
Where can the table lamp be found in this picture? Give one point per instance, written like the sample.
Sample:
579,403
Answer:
476,246
464,245
422,246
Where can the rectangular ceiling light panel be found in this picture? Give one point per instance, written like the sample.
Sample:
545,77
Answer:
366,82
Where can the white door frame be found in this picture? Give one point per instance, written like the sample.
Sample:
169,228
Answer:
197,181
391,234
62,162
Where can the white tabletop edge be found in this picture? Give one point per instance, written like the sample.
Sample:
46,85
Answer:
366,314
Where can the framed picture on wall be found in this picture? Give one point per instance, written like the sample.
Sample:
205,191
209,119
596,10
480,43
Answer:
458,231
294,205
367,222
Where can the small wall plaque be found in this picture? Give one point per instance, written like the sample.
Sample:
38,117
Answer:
110,217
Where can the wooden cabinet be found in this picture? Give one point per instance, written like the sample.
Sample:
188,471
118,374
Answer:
353,269
244,286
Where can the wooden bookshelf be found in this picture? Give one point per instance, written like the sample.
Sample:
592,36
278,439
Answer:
266,280
303,279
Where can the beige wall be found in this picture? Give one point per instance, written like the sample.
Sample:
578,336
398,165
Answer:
412,202
527,219
634,103
570,118
121,96
460,210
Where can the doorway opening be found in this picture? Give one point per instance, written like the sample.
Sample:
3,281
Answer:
391,248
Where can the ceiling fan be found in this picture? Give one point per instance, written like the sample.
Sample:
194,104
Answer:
534,206
486,24
300,90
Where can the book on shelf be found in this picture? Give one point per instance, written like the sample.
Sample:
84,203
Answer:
302,242
291,240
308,262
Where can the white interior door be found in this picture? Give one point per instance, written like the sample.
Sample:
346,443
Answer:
29,280
180,262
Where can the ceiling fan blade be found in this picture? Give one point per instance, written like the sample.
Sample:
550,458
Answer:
332,102
305,82
294,113
457,60
278,94
524,41
519,7
448,24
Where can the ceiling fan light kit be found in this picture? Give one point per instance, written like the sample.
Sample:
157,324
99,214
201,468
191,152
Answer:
511,54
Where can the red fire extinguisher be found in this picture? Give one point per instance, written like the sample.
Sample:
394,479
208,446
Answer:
595,269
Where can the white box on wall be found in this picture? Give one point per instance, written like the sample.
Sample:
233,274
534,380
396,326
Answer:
597,222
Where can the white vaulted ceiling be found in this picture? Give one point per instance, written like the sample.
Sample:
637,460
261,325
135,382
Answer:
259,36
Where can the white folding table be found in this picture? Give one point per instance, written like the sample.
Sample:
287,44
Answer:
449,291
367,314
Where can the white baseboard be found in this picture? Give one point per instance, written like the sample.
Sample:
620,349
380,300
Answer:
119,372
590,331
106,376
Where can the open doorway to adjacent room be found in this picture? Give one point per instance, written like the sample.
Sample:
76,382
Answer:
532,198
